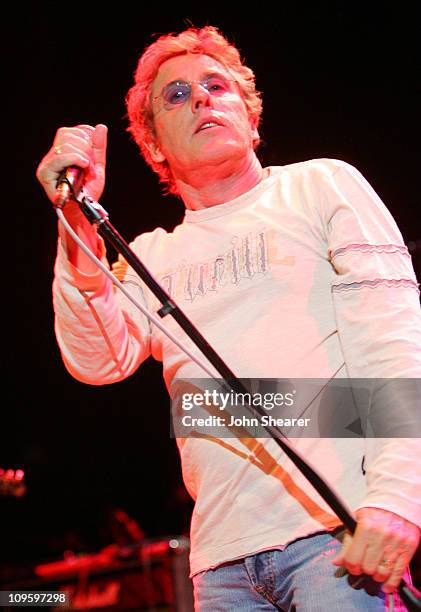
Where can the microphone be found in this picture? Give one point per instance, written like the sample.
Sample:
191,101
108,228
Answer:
68,185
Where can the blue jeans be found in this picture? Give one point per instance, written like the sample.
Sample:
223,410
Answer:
300,577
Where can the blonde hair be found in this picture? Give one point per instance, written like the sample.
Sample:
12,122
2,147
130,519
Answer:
204,41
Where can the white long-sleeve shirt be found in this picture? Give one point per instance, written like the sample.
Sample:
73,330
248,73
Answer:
304,276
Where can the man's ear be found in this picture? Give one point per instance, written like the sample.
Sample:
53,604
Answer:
155,151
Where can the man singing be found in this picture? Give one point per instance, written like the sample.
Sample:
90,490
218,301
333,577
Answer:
292,271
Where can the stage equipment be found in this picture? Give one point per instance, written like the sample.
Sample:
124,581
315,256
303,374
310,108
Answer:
151,576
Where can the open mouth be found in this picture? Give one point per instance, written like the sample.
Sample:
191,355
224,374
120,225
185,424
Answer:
206,125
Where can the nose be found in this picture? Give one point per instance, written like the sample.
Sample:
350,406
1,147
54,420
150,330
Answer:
199,96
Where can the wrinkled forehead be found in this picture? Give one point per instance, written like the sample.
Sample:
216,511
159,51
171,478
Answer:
187,67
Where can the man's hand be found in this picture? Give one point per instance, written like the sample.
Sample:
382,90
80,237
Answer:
382,547
83,146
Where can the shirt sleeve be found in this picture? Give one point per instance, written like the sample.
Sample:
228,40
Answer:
376,302
102,336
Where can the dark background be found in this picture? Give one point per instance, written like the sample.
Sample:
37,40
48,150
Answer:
338,80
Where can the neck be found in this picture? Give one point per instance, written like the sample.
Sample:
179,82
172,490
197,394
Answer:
219,184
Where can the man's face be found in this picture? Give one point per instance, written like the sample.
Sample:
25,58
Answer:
195,126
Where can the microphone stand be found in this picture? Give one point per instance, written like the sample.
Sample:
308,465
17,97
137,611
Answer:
95,214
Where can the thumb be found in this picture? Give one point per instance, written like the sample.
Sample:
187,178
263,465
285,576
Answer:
99,148
338,560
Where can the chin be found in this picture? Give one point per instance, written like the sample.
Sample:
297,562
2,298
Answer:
222,152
